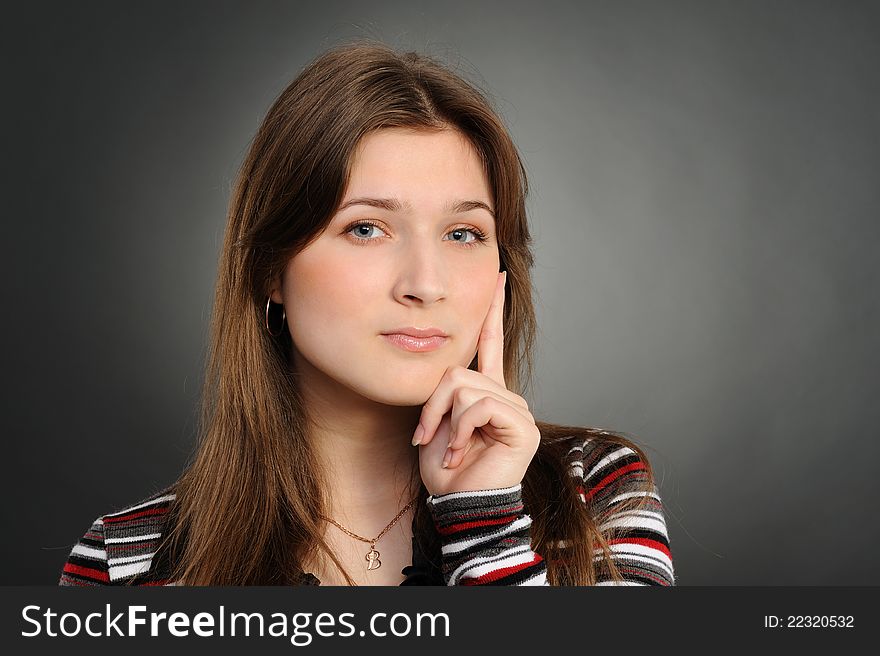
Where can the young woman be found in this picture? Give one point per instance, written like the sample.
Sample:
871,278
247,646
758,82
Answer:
372,333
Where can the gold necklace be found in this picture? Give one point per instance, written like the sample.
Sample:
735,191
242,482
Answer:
372,556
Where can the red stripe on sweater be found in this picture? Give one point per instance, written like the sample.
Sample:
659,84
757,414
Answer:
496,574
88,572
142,513
645,542
617,473
455,528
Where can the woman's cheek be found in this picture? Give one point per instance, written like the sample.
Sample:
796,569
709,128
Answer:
324,286
320,309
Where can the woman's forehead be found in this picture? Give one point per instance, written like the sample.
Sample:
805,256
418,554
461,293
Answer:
412,167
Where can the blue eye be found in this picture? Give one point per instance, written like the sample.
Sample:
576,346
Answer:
362,225
477,237
364,239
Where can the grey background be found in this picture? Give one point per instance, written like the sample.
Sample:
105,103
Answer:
704,206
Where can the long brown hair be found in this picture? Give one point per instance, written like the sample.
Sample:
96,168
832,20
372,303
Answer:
247,504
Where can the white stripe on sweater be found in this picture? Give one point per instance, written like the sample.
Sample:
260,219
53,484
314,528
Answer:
130,559
133,538
538,579
469,494
89,552
630,550
637,520
611,457
628,495
656,557
123,571
651,563
513,556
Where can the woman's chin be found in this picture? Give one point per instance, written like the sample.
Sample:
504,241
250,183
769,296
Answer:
401,395
401,391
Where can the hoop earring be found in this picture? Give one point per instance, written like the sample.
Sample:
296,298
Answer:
283,318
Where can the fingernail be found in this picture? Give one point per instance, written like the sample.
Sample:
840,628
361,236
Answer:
420,433
446,458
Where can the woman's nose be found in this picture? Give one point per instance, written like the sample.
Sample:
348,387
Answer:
421,274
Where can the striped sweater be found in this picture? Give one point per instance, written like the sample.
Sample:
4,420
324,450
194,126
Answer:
484,535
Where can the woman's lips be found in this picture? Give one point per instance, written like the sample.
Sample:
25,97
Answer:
417,344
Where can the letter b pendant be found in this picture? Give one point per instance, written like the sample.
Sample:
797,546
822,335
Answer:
372,559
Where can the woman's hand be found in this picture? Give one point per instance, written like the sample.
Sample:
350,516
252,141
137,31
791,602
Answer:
477,435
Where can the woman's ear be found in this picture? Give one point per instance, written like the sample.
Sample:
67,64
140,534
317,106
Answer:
275,291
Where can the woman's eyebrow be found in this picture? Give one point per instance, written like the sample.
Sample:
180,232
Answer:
395,205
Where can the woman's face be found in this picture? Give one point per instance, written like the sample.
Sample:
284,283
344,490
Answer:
415,260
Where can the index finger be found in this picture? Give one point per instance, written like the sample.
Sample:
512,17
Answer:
490,350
